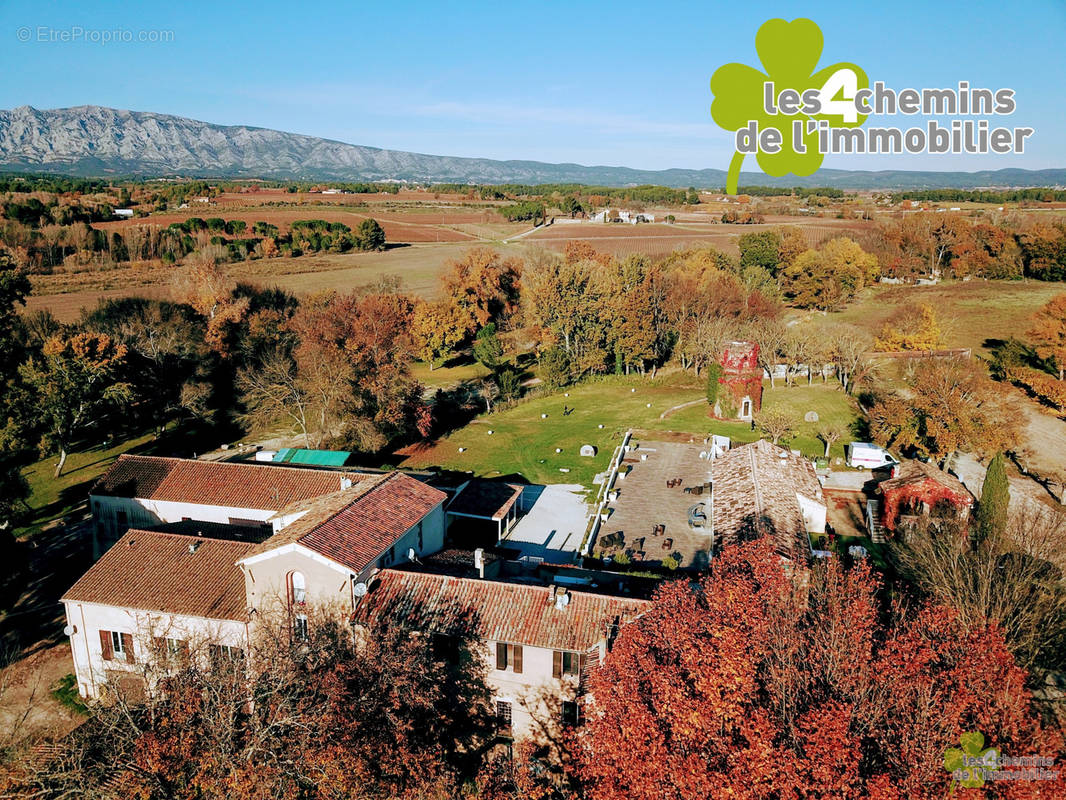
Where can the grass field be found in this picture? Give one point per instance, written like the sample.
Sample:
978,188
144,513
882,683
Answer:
523,443
445,376
972,311
53,499
418,266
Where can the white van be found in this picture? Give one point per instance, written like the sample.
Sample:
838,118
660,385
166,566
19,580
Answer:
869,456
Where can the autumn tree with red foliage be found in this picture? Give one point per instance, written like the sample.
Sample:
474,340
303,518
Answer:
747,686
367,331
373,713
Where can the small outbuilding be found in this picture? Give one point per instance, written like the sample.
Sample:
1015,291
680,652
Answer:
918,490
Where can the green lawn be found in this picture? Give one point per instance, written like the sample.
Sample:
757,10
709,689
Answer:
826,400
53,499
450,374
523,443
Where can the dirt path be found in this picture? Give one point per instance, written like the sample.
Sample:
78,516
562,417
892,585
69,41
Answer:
680,406
1046,439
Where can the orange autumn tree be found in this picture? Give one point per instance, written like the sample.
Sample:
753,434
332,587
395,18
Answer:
1048,332
482,285
739,687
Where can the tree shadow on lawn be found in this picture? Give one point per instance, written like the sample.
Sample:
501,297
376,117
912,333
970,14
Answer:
55,559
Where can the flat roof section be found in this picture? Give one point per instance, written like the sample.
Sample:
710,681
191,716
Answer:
653,494
553,525
486,499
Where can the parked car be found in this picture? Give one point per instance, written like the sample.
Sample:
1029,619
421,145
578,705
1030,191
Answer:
864,455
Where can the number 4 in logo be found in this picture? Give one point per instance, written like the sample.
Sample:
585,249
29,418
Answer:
845,83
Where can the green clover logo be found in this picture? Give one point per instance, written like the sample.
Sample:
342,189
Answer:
789,51
971,746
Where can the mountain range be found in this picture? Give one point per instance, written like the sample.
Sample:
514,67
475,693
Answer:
98,141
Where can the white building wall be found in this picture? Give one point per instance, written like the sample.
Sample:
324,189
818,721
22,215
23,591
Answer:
813,513
86,620
535,694
142,513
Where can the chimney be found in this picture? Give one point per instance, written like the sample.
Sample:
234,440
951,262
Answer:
562,599
346,483
479,562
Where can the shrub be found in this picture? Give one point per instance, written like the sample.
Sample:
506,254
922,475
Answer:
555,368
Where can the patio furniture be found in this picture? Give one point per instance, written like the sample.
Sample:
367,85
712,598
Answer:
667,544
697,517
638,556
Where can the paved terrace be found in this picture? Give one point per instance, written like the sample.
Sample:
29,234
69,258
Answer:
646,499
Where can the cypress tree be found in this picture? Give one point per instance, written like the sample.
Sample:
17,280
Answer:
995,497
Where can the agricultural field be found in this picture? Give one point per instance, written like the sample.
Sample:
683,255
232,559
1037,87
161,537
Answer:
523,443
418,266
403,227
973,313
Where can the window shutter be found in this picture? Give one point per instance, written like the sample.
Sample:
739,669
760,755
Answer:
557,664
127,645
516,659
501,655
159,647
105,645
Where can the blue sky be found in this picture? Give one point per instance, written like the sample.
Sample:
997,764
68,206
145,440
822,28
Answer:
589,82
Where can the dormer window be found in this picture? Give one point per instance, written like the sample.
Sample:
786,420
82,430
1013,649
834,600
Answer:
297,588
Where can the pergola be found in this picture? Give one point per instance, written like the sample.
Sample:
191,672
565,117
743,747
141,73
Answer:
490,501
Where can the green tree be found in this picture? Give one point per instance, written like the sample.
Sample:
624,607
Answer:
510,385
14,286
555,368
760,249
74,380
714,373
487,347
370,235
991,520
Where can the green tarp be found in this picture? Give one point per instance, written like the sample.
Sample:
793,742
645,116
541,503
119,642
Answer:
318,458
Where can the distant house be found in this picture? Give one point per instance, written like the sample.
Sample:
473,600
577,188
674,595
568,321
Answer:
123,213
622,216
918,491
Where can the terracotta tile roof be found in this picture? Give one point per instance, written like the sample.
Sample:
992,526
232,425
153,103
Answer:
488,499
354,526
495,610
754,494
153,571
914,472
223,483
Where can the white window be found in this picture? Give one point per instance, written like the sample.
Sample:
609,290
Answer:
173,646
299,588
117,645
299,627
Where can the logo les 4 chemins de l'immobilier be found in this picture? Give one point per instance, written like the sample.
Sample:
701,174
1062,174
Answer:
793,114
